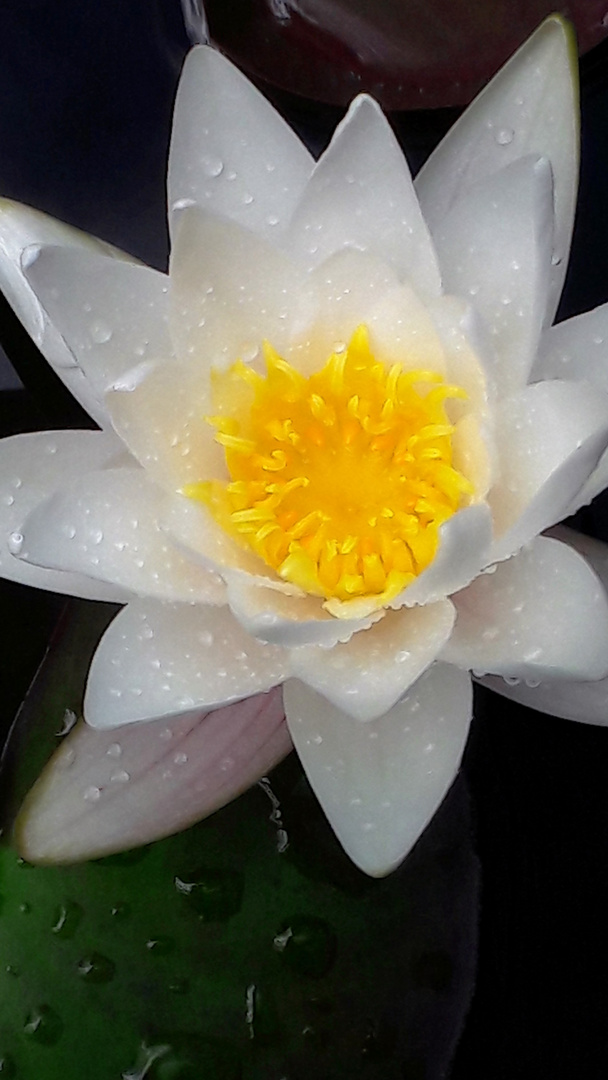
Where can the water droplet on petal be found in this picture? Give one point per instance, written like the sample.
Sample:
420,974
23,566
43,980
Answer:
100,332
15,543
212,166
505,136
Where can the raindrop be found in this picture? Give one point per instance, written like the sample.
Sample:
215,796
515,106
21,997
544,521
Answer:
166,734
183,204
100,332
96,968
556,259
67,919
505,136
247,199
114,750
161,945
43,1025
206,637
212,166
120,777
180,759
92,794
309,945
15,543
69,719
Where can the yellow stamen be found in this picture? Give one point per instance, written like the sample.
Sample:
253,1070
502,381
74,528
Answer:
339,481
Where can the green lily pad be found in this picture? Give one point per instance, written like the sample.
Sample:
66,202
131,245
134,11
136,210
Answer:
246,948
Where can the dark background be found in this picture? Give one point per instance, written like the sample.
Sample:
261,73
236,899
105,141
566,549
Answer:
85,103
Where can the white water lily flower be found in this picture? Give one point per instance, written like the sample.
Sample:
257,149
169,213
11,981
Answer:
332,438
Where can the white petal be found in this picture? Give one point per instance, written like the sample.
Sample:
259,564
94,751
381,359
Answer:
367,675
160,659
33,467
380,784
291,621
543,614
231,152
464,542
230,291
577,349
22,230
105,525
531,106
361,195
586,702
550,438
106,791
494,245
112,314
402,331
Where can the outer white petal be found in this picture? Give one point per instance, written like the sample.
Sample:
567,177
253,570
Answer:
105,525
33,467
494,245
578,349
111,314
291,621
531,106
550,438
98,795
586,702
543,614
160,659
361,195
365,677
231,152
380,784
22,230
230,291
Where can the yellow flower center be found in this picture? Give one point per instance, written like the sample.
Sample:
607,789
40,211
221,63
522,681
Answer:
339,481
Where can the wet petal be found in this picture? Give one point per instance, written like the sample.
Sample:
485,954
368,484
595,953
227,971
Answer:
530,107
463,547
291,621
107,791
543,614
586,702
366,676
230,291
105,525
22,231
112,315
380,783
360,195
550,438
160,660
231,152
32,468
494,245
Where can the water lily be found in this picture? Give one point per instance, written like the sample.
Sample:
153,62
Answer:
333,438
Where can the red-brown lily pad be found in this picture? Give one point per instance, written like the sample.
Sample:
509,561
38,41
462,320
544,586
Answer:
409,54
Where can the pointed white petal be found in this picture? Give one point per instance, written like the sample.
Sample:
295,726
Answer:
494,245
160,659
402,331
463,547
22,230
33,467
231,152
586,702
111,314
380,784
542,615
105,525
230,291
530,107
577,349
361,195
367,675
107,791
550,438
291,621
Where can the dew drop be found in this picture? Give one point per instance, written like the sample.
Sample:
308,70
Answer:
161,945
92,794
43,1025
206,637
15,543
505,136
96,968
180,759
114,750
120,777
212,166
100,332
67,919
